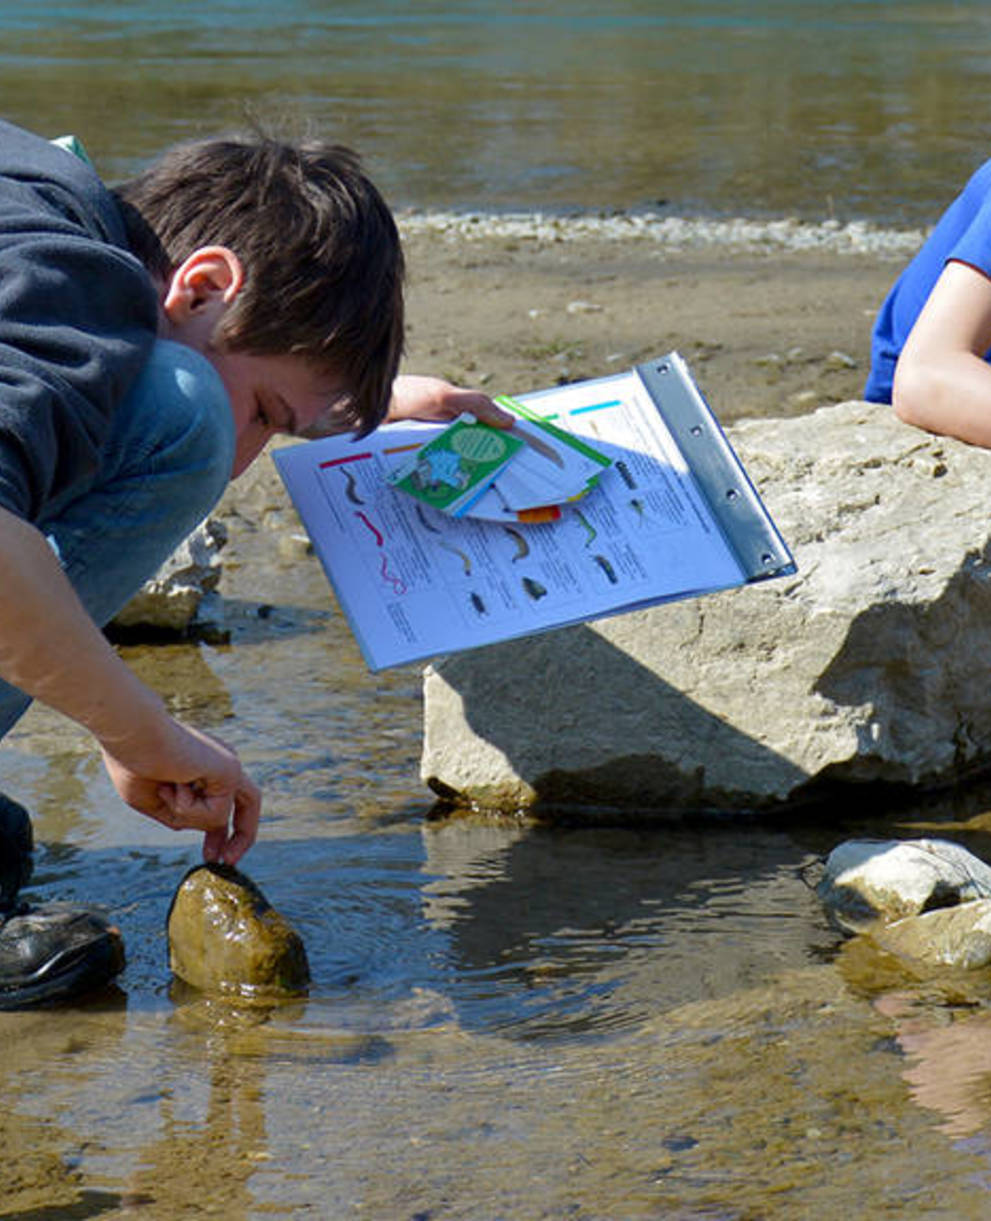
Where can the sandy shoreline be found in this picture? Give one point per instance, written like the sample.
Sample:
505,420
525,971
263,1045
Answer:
773,320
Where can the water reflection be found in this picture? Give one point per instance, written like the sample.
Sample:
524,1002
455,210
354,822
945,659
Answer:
948,1054
775,107
209,1141
588,931
537,933
38,1177
525,932
645,1011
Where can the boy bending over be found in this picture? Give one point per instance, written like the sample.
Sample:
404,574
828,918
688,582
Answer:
152,340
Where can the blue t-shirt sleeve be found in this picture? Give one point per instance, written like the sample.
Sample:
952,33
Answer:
974,244
963,233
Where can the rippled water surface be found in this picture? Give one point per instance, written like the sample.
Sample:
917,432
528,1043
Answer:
506,1020
856,108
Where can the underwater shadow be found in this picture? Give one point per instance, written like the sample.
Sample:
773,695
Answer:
226,620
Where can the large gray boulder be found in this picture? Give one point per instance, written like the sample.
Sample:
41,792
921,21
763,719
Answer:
871,664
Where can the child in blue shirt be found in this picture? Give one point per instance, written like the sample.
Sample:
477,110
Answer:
931,342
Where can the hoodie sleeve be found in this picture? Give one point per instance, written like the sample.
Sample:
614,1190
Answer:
78,315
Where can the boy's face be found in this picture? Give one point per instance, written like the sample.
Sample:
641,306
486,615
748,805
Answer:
274,394
268,394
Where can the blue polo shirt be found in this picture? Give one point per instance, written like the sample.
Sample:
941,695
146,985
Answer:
962,234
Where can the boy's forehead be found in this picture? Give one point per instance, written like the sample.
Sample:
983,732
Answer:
324,391
334,420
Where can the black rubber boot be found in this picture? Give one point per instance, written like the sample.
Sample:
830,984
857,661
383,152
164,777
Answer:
16,843
55,952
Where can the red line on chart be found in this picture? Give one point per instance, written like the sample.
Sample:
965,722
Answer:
340,461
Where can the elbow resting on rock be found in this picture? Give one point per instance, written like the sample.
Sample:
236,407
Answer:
916,395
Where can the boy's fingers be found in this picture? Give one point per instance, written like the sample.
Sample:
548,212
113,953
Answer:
247,816
480,406
183,798
229,845
214,845
188,806
491,413
235,847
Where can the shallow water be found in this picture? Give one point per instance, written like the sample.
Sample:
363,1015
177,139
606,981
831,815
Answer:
506,1020
859,109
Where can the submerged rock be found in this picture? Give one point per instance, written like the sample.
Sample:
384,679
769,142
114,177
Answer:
867,882
923,902
224,936
948,937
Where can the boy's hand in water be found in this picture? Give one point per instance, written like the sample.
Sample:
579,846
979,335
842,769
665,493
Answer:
190,782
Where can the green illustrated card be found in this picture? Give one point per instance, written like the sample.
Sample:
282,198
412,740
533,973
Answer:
457,466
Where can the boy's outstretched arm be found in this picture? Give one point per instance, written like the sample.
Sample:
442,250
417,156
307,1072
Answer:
942,380
431,398
52,650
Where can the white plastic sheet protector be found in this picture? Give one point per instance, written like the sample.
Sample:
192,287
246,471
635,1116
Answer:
673,515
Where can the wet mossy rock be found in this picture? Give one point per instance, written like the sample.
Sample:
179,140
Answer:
869,665
225,937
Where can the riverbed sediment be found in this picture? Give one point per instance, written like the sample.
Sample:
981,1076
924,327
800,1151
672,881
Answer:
773,317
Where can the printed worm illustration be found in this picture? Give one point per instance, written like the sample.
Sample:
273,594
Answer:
397,583
626,475
379,538
427,525
522,546
423,520
465,560
350,488
589,528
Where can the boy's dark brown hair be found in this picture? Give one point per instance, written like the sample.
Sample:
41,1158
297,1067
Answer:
320,249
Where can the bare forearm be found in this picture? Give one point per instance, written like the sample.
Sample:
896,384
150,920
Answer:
951,396
942,381
51,649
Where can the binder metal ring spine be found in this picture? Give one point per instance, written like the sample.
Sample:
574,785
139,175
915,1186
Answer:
733,500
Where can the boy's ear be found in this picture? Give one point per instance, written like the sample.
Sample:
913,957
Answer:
202,287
